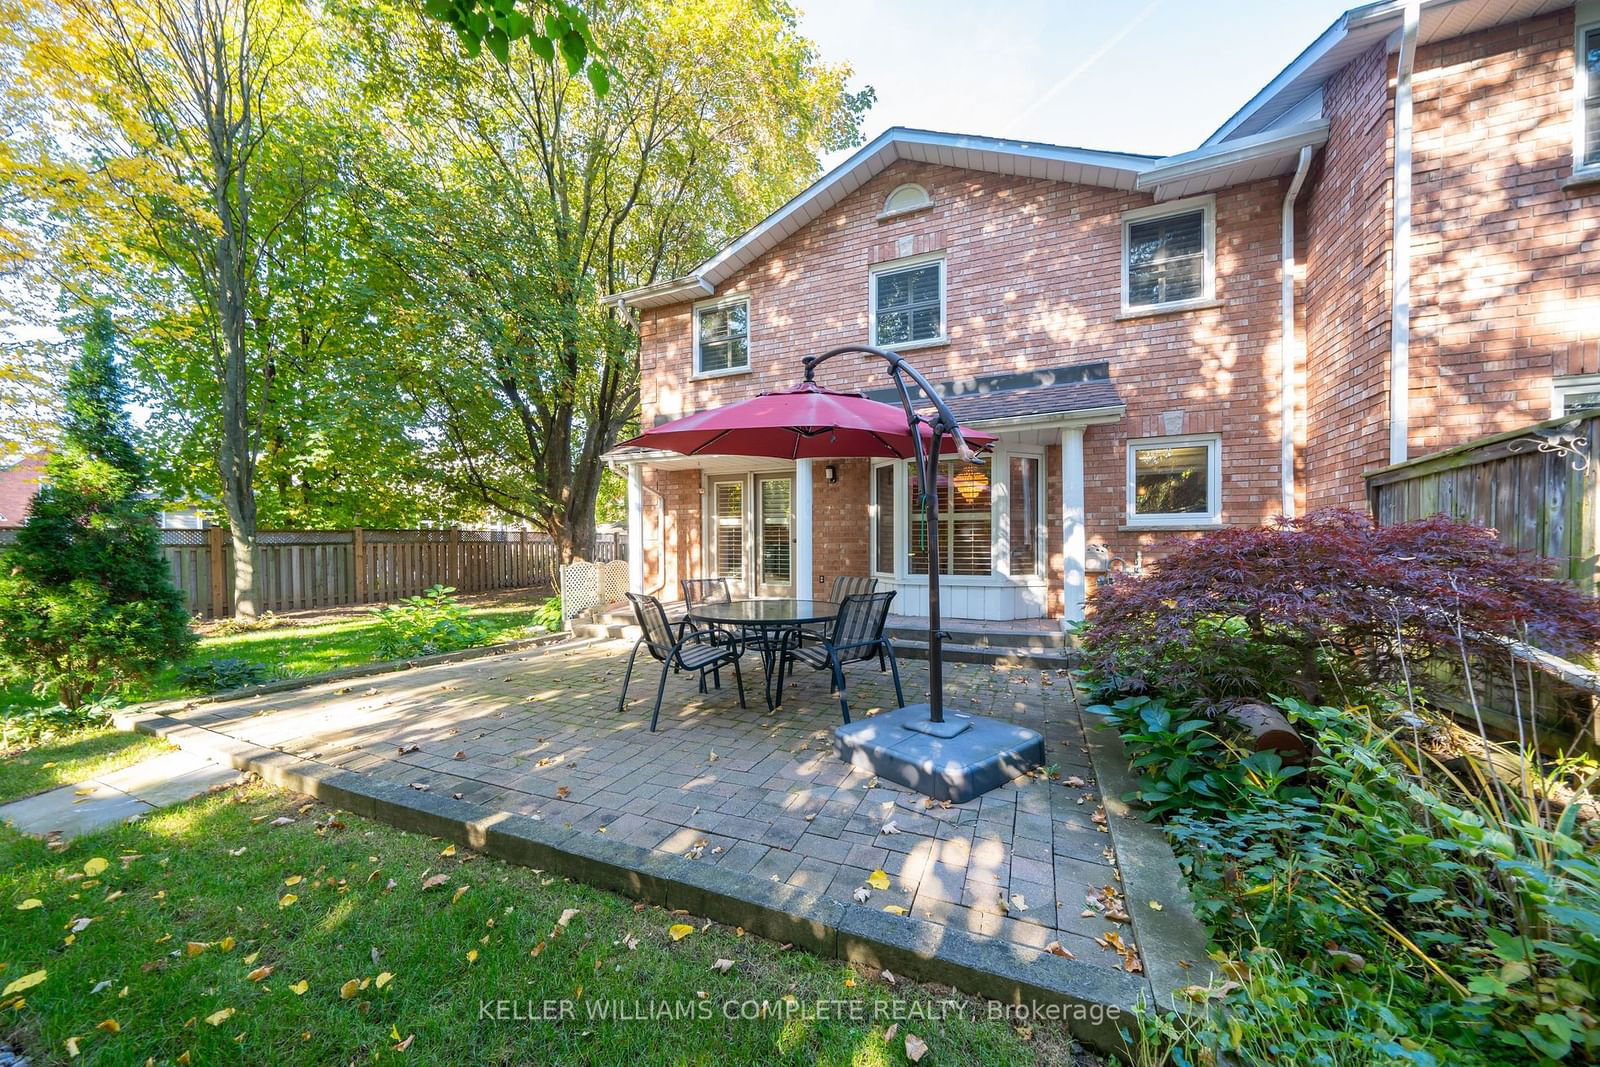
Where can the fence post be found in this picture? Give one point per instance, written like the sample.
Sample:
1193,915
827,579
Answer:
457,566
358,552
221,595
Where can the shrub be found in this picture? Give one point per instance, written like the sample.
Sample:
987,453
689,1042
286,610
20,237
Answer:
222,675
1317,608
26,727
548,616
86,601
426,625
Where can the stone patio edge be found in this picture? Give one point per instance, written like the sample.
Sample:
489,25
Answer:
1150,872
564,638
1090,999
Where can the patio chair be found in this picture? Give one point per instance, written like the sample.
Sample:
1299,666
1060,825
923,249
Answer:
680,650
709,591
857,635
843,585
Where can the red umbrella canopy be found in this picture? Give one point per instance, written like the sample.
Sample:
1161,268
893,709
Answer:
807,422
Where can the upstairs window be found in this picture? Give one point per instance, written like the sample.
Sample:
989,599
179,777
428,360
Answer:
908,304
722,337
1588,84
1167,256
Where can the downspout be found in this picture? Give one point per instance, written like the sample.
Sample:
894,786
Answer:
1289,347
1400,309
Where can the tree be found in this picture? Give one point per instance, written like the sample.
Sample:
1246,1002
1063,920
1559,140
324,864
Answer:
514,200
86,600
169,104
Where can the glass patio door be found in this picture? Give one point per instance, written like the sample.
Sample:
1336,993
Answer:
728,532
775,535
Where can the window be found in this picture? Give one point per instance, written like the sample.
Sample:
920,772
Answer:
1167,255
728,528
966,521
722,337
1024,493
905,199
883,546
908,304
1588,93
1580,392
1175,481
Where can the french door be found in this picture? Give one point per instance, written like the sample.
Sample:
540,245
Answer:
750,535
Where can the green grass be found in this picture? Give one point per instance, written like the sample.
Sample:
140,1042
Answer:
173,878
72,759
292,650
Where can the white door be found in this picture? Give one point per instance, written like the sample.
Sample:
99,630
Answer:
775,535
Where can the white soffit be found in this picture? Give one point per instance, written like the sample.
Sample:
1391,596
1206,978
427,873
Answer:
1243,159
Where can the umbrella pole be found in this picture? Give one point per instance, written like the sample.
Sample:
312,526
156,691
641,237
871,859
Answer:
930,480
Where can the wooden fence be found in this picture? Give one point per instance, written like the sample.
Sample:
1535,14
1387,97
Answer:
1539,488
303,569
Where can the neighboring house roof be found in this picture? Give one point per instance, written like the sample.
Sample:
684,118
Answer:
1053,394
1298,86
18,484
1261,140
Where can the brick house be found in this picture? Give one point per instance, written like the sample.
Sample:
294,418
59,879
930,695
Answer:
18,483
1163,345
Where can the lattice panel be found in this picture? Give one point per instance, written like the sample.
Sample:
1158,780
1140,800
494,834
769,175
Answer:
183,537
580,588
304,537
613,580
407,537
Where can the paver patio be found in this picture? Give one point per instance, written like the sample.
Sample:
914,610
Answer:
755,791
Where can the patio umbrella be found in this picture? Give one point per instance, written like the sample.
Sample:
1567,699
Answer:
810,422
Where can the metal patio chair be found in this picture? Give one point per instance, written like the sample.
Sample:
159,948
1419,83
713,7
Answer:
680,650
709,591
843,585
857,635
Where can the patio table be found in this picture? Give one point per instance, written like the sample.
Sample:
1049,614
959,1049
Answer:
769,622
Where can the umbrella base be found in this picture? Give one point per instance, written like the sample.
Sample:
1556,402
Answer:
983,753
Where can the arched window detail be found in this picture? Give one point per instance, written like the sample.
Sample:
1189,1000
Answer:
908,197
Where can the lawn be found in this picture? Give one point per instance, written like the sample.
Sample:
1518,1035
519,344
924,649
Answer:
292,649
83,755
212,931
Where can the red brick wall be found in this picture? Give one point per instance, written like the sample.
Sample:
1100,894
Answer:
18,483
839,538
672,547
1346,292
1033,271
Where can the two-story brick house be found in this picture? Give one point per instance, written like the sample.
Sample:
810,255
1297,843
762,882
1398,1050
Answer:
1383,253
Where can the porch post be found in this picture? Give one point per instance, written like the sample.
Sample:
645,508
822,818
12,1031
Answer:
635,528
1074,543
800,516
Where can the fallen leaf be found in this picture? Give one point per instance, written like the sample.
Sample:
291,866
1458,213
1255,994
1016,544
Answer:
567,916
459,755
895,909
260,973
217,1018
878,879
110,1026
226,944
534,952
349,989
722,965
282,820
1155,905
889,828
1055,949
30,904
406,1044
862,895
679,931
1019,902
287,900
916,1048
248,960
1073,781
406,750
194,948
299,988
94,867
449,850
461,891
435,881
100,987
383,979
472,955
888,1035
562,792
71,1044
293,879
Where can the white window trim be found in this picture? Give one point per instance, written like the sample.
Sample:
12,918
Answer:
1586,19
893,213
944,299
899,532
714,304
1562,384
1213,515
1207,205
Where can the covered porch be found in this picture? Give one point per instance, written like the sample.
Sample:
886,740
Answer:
1011,529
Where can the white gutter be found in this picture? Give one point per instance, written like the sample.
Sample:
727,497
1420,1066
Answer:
1400,310
1289,345
1214,159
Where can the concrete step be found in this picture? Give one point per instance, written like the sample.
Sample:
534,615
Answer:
954,652
1040,641
606,628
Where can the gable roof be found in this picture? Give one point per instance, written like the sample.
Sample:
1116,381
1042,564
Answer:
1352,34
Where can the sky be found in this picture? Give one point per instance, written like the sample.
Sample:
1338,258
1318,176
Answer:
1153,76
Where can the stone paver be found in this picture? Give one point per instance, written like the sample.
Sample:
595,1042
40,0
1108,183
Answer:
115,796
754,791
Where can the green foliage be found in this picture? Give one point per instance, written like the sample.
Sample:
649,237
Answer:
86,601
427,625
222,675
549,27
549,615
24,727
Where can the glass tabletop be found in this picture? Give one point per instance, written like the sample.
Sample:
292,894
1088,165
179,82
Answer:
766,612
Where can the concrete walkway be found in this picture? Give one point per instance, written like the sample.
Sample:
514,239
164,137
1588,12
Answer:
115,796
